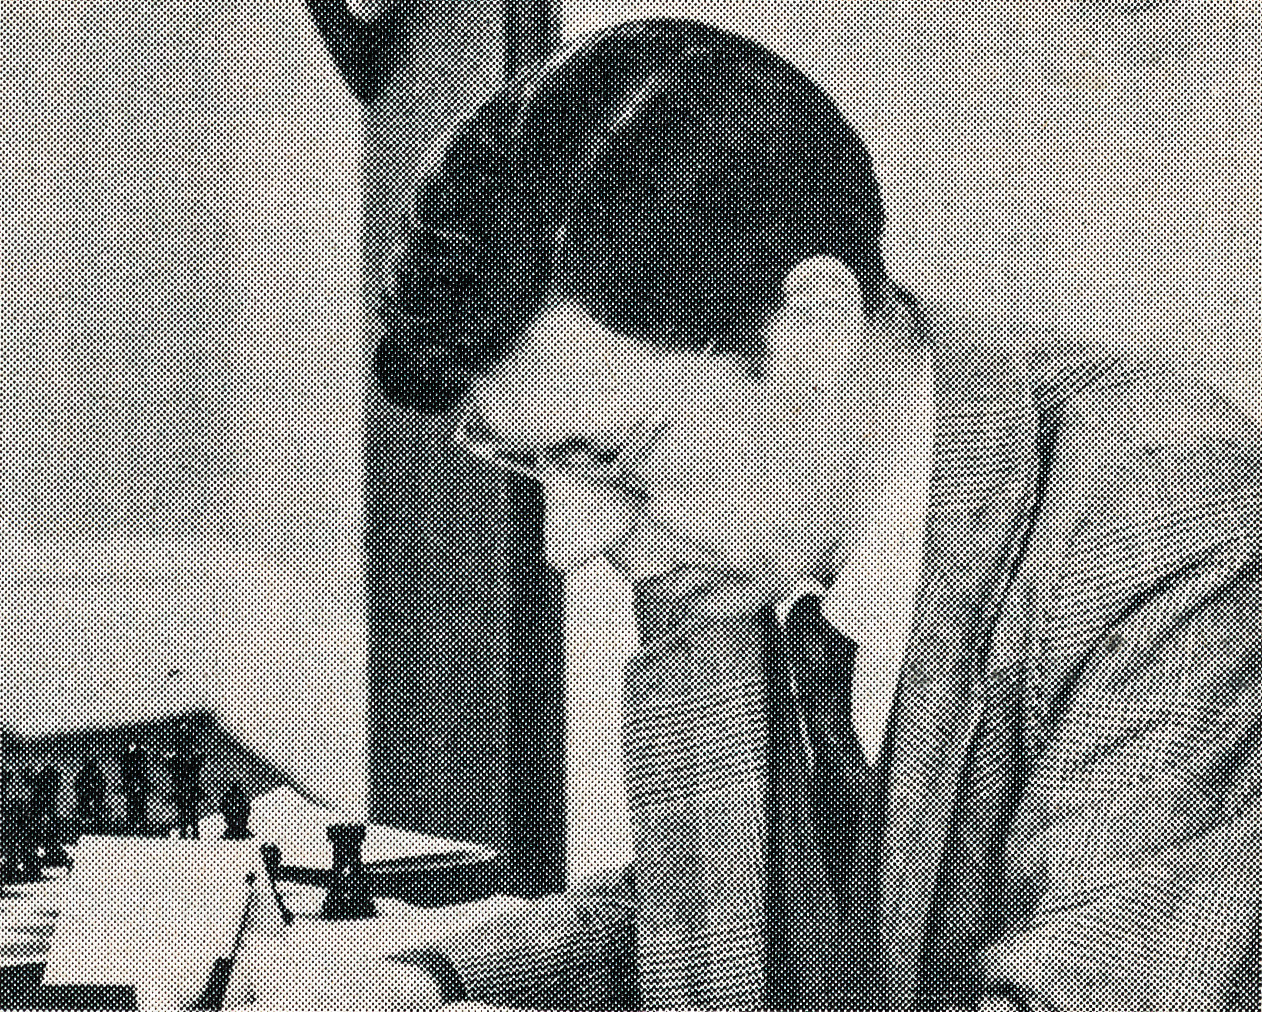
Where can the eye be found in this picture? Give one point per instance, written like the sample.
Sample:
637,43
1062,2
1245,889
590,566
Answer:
580,455
523,460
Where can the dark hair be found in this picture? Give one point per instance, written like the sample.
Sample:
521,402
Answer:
665,175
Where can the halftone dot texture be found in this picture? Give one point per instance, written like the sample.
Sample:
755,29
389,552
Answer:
187,430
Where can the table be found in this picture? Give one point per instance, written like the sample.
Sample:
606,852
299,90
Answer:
314,962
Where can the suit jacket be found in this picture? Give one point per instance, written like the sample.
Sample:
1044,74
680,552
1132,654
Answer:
1092,538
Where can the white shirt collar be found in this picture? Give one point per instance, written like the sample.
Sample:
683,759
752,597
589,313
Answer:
872,599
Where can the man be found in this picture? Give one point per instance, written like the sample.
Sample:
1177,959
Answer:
948,693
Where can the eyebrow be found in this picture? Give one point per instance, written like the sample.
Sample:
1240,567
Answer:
479,431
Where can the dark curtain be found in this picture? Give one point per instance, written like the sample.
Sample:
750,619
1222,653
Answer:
466,680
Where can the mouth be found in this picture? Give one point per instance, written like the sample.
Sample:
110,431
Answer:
651,553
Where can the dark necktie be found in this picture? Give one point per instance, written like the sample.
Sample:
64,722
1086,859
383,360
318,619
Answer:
821,669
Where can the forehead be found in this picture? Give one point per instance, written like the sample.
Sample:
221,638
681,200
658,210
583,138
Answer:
570,377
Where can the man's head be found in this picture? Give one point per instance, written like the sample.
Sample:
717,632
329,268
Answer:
668,237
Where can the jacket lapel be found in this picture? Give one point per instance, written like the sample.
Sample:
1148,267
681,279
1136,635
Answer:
980,506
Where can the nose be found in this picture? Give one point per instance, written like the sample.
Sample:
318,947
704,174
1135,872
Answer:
580,522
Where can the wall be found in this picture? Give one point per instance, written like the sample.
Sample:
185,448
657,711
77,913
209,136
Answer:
179,249
1070,166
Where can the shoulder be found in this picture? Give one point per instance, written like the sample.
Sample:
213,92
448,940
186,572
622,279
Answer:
1164,400
1146,471
1142,460
1137,437
1152,478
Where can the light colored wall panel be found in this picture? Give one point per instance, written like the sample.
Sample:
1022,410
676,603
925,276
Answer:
179,291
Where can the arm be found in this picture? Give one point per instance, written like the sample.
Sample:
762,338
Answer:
569,950
1137,852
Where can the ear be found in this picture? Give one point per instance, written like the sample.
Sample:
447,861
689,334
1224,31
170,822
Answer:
820,327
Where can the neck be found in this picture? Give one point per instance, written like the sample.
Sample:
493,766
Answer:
892,470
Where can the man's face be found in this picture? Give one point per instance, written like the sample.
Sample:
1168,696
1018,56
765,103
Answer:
733,471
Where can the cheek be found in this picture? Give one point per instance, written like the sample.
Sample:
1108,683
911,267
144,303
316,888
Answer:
570,378
758,478
768,503
773,533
